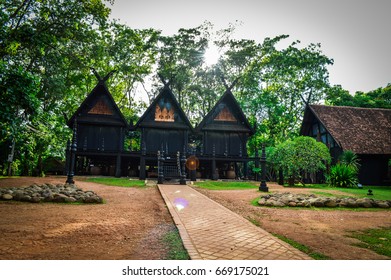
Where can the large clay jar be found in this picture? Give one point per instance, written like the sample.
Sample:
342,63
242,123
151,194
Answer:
95,170
231,174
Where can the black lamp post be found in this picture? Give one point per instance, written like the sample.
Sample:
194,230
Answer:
72,155
263,187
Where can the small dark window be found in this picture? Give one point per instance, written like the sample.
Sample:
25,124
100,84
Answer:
322,129
315,129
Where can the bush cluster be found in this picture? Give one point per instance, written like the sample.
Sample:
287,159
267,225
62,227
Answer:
345,173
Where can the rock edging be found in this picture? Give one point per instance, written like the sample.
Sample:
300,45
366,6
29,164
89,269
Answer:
50,193
305,200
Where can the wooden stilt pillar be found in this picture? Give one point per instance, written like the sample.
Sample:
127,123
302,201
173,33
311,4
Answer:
118,166
245,167
142,175
182,180
160,163
214,174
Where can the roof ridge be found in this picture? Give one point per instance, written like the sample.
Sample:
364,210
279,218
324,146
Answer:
349,107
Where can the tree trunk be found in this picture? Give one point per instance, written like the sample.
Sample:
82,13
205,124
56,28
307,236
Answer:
39,166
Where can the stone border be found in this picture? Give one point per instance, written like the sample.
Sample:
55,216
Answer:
305,200
50,193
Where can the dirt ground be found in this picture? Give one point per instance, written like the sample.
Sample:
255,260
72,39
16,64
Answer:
132,223
323,231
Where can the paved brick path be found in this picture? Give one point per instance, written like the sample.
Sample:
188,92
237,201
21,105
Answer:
212,232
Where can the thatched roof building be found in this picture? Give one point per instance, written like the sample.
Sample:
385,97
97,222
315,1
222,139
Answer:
365,131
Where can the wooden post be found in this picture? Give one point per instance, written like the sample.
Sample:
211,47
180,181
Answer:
120,148
214,175
143,174
160,168
182,180
193,172
245,171
118,166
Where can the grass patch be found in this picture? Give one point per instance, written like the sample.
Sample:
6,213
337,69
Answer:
377,240
8,177
254,222
254,202
303,248
176,250
379,192
219,185
118,182
327,194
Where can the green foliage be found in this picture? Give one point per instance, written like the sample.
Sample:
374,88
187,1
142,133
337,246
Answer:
342,176
46,51
350,159
378,98
301,155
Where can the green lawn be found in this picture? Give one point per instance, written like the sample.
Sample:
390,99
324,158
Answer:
379,192
378,240
220,185
119,182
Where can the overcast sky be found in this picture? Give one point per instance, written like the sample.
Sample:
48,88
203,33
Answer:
355,33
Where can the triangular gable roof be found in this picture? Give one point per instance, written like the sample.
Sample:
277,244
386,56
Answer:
226,115
99,107
361,130
178,118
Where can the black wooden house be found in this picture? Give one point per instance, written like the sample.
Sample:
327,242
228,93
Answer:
165,128
167,138
224,132
365,131
100,129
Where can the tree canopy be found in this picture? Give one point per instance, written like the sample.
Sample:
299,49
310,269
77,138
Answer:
300,156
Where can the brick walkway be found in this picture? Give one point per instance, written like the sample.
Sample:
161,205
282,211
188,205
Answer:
212,232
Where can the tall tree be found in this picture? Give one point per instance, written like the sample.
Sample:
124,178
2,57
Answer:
378,98
47,50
